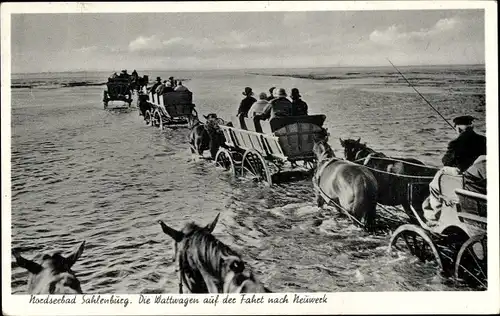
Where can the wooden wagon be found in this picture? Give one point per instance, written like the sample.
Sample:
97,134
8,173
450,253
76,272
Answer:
117,89
457,242
262,149
170,108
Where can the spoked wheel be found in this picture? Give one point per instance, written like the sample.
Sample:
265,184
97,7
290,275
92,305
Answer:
157,120
253,165
147,117
472,264
224,159
414,240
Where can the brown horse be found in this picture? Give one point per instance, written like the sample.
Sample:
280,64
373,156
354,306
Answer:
350,186
206,136
393,174
206,265
53,275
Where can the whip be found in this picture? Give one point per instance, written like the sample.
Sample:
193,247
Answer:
421,95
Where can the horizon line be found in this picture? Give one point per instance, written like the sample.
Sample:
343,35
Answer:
231,68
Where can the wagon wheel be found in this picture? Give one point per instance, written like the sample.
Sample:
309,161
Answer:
253,163
413,239
147,117
472,262
157,119
224,159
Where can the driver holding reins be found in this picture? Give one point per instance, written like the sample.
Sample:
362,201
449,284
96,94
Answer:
465,153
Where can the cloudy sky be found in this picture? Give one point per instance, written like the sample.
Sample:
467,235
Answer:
105,41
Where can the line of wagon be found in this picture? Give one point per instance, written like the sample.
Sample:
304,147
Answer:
267,149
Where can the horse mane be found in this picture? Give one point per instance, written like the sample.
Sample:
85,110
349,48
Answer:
203,250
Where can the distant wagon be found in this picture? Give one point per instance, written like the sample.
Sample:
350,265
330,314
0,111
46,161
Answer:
118,89
265,149
171,108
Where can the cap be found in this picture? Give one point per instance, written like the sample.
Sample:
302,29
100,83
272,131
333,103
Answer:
463,120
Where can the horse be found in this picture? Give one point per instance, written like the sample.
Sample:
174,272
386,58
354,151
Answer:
206,136
206,265
348,185
53,275
393,188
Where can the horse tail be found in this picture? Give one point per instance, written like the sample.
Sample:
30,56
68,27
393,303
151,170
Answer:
365,199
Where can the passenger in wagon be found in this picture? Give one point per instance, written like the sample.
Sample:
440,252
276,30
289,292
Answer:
299,107
172,82
168,87
154,86
180,87
465,149
280,106
259,106
246,103
271,96
461,154
161,88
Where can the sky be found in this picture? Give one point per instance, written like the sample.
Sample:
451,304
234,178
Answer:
213,40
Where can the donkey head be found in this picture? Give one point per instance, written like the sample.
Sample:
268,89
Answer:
53,275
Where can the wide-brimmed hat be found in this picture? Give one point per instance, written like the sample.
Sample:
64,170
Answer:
282,92
463,120
295,93
210,116
262,96
158,79
170,78
248,91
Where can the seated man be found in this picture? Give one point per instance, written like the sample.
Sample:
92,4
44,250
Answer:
278,107
180,87
299,107
258,107
462,152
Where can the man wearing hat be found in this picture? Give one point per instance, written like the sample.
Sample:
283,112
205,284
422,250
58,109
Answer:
299,107
465,149
271,96
157,83
280,106
161,88
172,82
259,106
461,155
246,103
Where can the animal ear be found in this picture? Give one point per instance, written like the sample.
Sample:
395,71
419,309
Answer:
358,140
175,234
71,259
206,117
29,265
211,226
341,141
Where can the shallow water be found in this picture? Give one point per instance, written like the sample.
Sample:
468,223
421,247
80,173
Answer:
82,173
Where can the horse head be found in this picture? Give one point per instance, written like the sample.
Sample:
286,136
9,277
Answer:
193,121
351,148
206,265
322,149
53,275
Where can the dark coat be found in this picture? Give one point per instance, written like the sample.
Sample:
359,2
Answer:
299,107
246,104
464,150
